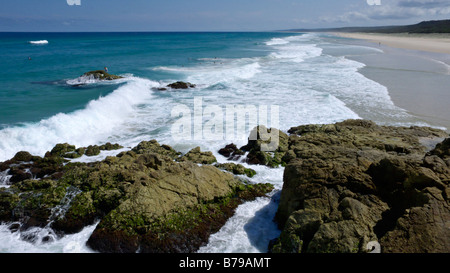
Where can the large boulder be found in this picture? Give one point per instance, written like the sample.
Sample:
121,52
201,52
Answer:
181,85
354,182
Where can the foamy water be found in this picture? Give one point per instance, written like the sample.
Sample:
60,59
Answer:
40,42
309,86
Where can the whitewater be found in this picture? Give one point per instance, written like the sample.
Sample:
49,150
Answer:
308,76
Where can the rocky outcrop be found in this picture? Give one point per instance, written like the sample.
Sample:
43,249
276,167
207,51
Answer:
176,85
354,182
148,198
237,169
101,75
181,85
68,151
26,166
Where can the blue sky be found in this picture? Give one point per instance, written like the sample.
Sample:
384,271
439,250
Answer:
212,15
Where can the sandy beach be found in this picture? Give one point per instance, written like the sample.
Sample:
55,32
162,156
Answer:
438,43
414,67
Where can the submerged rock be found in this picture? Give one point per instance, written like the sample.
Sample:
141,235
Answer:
101,75
237,169
354,182
181,85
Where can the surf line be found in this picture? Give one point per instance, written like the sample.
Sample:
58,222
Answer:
232,122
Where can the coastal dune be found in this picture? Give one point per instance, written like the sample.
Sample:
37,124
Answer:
438,43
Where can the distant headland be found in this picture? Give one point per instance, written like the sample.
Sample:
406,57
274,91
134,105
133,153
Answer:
437,26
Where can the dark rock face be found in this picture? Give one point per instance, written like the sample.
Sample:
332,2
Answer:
236,169
101,75
266,146
231,152
346,185
354,182
181,85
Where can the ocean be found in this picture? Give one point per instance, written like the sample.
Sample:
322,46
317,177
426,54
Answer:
289,78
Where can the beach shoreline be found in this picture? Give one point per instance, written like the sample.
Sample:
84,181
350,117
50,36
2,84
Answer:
416,76
437,43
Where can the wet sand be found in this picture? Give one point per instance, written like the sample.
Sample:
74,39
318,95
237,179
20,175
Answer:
438,43
416,75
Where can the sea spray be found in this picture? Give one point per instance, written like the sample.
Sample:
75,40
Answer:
11,241
100,119
4,178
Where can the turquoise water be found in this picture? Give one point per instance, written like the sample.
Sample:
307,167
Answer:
35,89
302,78
306,75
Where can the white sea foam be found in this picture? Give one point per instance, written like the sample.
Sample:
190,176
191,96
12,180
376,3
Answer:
83,80
4,179
40,42
252,227
277,41
14,242
227,73
100,119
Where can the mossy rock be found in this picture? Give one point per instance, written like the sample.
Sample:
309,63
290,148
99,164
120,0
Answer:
82,212
62,148
354,182
23,156
181,85
31,202
92,150
197,156
266,147
143,197
109,147
237,169
184,229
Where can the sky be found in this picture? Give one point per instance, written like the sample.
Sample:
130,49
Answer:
213,15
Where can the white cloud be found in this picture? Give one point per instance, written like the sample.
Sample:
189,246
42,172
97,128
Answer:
393,10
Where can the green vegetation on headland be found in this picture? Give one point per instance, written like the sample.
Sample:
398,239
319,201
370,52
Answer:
425,27
346,186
